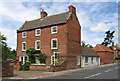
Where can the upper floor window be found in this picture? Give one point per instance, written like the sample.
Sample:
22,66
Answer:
53,29
23,34
37,44
54,43
23,46
37,32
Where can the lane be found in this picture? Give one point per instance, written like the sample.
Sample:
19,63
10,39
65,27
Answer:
107,72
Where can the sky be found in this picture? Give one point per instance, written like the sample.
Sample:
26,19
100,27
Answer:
94,17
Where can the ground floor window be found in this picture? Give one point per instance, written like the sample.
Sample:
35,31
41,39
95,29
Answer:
54,58
23,59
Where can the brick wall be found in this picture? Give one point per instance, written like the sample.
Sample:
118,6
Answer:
17,65
106,57
74,41
7,68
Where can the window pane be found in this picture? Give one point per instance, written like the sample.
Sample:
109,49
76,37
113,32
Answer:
24,46
86,59
25,58
38,32
54,43
38,44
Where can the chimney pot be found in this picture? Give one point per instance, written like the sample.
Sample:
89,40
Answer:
43,14
72,9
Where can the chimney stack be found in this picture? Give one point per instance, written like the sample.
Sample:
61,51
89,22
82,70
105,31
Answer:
112,44
72,9
43,14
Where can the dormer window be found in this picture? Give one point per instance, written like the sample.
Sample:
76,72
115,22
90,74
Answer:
53,29
37,32
23,34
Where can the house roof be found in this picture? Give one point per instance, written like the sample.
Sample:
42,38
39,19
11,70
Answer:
100,47
85,51
46,21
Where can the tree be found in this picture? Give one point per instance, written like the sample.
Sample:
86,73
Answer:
83,44
6,51
108,38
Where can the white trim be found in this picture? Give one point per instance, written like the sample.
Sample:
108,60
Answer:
36,32
25,33
53,56
52,30
52,43
36,45
78,58
22,46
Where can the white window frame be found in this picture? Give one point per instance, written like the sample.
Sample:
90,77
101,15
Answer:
78,59
23,59
22,46
54,57
36,32
36,45
52,43
23,35
52,29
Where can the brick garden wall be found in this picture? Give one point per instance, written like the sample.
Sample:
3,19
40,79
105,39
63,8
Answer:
7,68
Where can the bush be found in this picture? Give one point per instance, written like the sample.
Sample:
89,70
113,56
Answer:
25,67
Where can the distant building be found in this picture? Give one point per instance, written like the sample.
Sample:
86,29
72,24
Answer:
116,50
89,57
105,53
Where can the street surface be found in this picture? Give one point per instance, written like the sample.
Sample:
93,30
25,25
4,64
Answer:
107,72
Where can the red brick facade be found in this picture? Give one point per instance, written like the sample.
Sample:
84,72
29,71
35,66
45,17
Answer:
68,37
105,53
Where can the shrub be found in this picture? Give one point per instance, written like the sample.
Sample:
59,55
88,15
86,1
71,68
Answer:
25,67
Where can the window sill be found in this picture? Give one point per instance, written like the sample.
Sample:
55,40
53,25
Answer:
54,48
37,35
54,33
23,50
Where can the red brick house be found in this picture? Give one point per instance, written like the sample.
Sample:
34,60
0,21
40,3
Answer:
55,34
105,53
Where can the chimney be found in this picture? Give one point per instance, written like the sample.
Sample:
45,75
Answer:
72,9
43,14
112,44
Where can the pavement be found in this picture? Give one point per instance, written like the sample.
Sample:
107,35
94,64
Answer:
61,74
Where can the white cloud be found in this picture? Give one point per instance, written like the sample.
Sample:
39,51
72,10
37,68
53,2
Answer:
102,27
11,36
18,12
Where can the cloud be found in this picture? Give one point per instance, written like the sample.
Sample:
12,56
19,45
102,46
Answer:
11,36
102,27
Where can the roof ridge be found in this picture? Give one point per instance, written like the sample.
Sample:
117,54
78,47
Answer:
49,16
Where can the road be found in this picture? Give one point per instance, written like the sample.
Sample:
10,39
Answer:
107,72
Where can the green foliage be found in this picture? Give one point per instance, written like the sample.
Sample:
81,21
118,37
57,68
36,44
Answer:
117,58
12,55
83,44
7,53
108,38
42,58
31,54
25,67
